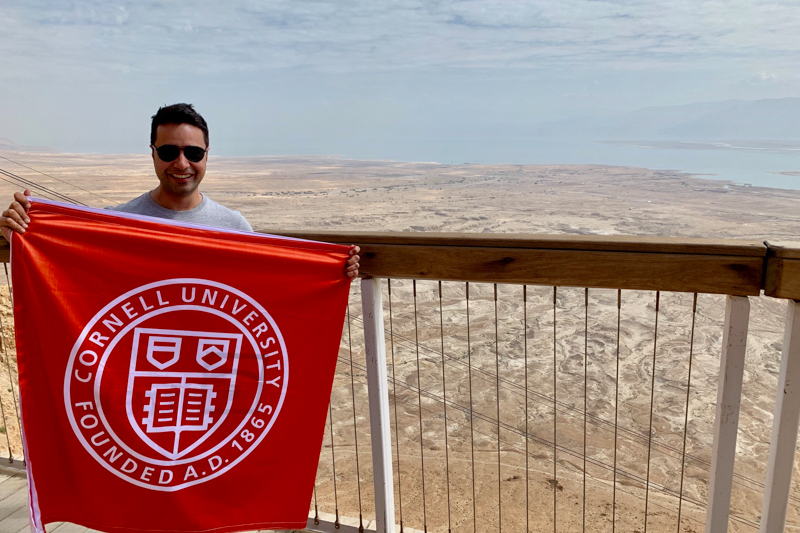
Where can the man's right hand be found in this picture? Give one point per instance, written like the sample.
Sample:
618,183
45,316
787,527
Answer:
15,218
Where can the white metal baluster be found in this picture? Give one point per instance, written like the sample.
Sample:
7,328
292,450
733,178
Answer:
784,428
726,421
377,383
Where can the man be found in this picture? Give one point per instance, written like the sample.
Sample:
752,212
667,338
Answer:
179,147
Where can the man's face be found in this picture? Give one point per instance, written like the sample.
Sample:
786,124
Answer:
180,177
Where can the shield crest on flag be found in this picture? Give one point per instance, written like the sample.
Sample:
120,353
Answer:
180,386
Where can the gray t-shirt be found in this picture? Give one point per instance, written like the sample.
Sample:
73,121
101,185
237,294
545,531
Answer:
209,213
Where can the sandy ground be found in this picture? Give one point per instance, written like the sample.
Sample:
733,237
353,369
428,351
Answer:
329,193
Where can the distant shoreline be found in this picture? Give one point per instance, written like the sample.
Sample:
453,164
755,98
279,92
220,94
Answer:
768,164
790,146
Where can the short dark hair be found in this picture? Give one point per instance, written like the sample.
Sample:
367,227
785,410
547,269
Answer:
178,114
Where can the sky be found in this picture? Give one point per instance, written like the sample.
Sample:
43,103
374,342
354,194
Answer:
374,79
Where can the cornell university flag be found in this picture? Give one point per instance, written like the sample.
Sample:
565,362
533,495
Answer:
173,377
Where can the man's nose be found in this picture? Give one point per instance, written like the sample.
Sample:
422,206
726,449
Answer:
181,162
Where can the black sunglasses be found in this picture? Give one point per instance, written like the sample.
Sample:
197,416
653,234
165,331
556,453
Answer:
170,152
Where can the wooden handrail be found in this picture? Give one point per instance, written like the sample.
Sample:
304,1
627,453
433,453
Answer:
611,243
716,266
647,263
782,273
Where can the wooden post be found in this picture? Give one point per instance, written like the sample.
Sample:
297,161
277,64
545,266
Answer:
726,421
379,421
784,428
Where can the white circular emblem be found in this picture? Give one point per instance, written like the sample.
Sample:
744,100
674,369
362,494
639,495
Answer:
174,383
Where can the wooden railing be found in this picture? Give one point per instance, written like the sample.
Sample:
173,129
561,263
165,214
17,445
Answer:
736,269
615,262
713,266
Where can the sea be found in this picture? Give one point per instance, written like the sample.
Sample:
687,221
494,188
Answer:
748,163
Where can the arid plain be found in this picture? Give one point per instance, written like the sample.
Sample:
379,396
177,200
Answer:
328,193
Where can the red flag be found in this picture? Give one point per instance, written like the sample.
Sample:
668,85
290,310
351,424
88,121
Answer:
173,377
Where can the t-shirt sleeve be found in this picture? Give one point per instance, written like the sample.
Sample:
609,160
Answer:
244,224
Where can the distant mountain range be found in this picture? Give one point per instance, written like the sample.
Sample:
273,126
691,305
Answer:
777,119
7,144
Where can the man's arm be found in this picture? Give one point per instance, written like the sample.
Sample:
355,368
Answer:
15,218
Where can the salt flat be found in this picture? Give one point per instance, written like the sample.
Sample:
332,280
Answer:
283,193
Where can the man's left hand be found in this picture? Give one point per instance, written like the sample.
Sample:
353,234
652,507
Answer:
352,264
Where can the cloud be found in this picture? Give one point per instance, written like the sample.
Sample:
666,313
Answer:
88,13
206,36
767,79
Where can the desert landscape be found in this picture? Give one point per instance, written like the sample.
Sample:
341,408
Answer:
518,357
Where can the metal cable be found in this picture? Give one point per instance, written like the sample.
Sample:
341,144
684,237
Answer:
497,389
333,467
5,430
7,355
585,391
686,415
471,421
355,426
5,424
396,422
316,509
22,185
652,397
10,288
525,343
419,400
58,179
616,418
444,396
555,415
32,184
16,183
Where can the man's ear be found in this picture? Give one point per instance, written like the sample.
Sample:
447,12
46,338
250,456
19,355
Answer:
153,152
